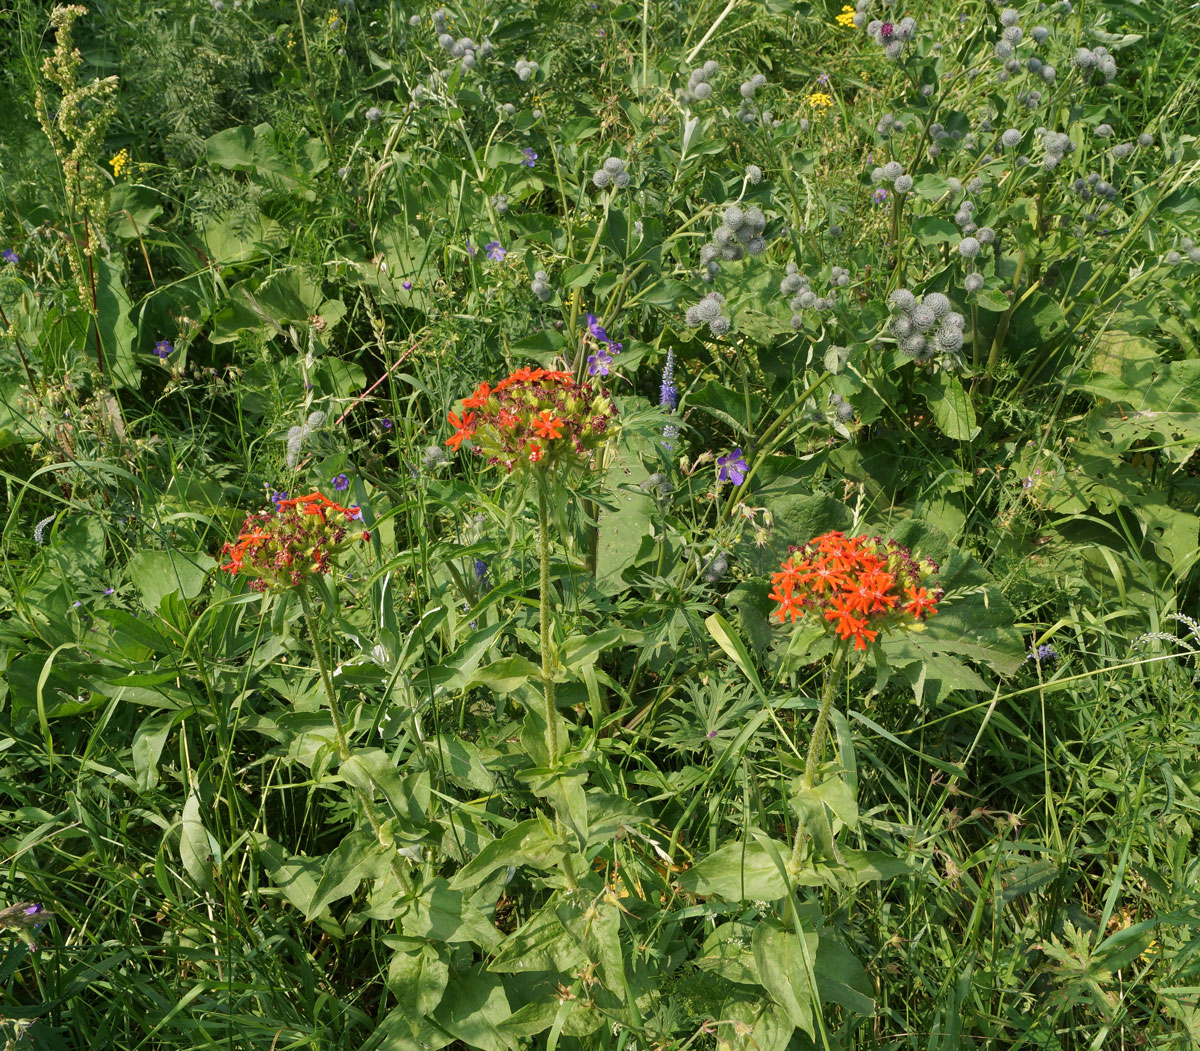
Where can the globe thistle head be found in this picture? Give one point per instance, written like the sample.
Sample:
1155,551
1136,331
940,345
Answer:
938,303
1040,34
702,91
903,184
985,235
754,174
968,247
373,115
1103,131
621,180
973,282
1014,34
1122,150
901,325
613,165
733,217
949,340
923,318
1009,16
1003,49
1173,259
756,246
902,300
913,345
893,170
1049,73
718,326
1145,139
1011,139
600,179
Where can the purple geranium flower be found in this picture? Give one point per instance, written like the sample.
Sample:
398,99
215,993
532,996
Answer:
163,348
530,157
733,467
386,424
880,195
10,256
341,483
407,285
495,252
598,363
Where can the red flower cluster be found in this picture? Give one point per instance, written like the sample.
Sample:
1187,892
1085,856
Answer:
533,416
299,539
860,585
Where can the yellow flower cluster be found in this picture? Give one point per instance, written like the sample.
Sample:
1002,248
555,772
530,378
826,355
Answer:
120,163
846,18
819,100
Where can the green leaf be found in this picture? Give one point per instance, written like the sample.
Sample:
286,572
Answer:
930,230
506,675
194,849
726,405
734,648
232,148
442,914
418,979
841,977
532,842
160,573
743,871
358,857
473,1009
462,762
784,968
951,406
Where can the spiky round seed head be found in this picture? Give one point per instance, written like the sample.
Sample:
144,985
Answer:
986,235
1011,138
949,340
1122,150
1049,73
903,184
621,180
1171,259
954,320
711,67
718,326
901,326
913,345
938,303
893,170
1009,16
973,282
733,217
968,247
923,318
1103,131
1040,34
1003,49
1014,35
614,165
1145,139
1194,255
692,318
903,300
747,89
756,246
601,179
703,91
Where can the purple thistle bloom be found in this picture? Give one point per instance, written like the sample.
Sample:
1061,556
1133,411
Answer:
733,467
598,363
880,195
10,256
341,483
668,393
530,157
494,252
163,347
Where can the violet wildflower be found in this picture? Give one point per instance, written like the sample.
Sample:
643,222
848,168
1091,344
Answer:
495,252
10,256
163,348
386,424
530,157
406,285
471,248
668,393
109,591
481,572
733,467
341,483
880,195
599,363
1043,654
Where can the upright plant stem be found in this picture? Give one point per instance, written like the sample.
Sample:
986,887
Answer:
816,745
544,610
339,730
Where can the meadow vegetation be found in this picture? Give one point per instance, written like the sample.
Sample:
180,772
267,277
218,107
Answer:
629,526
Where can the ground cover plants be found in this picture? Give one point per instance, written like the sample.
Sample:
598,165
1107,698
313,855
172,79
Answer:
599,525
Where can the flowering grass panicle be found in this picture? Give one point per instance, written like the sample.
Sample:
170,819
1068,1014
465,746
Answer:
534,417
858,586
280,549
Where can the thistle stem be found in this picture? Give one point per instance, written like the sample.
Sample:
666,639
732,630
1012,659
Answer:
544,611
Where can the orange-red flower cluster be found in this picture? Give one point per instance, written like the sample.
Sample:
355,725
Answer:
534,416
299,539
859,585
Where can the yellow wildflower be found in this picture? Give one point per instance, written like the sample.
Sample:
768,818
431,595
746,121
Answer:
819,100
846,18
120,163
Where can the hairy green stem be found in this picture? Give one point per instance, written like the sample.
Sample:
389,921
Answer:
544,617
816,745
339,730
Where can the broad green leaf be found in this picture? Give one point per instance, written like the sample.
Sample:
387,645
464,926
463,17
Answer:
358,857
742,871
784,968
951,406
418,979
194,849
159,573
473,1009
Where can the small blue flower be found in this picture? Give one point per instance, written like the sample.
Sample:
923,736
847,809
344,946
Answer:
163,348
530,157
407,285
10,256
109,591
481,570
355,511
1043,654
733,467
386,424
495,252
880,195
471,248
341,483
277,497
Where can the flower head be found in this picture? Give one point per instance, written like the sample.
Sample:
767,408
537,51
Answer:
668,397
163,348
119,162
298,540
495,252
10,256
534,416
880,195
732,467
341,483
858,585
820,100
530,157
846,18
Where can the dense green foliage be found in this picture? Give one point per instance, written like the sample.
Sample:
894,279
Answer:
530,766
